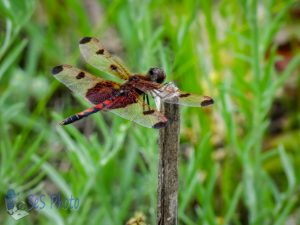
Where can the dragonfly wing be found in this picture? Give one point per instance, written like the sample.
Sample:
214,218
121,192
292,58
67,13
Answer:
95,89
194,100
142,114
171,94
94,53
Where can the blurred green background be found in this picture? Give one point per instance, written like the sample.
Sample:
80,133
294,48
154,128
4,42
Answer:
239,159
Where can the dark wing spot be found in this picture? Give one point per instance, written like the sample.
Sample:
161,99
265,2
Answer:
159,125
80,75
184,95
113,67
57,69
148,112
85,40
100,52
207,101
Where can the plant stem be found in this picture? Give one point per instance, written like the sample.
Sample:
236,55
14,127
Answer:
167,203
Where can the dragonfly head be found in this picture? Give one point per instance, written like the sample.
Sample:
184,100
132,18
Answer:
156,75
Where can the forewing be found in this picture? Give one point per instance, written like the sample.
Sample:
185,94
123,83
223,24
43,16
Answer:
142,114
193,100
95,54
171,94
83,83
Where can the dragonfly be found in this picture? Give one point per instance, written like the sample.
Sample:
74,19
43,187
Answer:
128,99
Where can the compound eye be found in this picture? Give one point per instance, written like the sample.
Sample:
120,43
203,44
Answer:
151,71
156,75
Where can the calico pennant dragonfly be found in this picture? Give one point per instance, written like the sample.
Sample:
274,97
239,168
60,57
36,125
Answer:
130,99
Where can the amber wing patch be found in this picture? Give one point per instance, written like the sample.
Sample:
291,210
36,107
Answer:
82,82
95,54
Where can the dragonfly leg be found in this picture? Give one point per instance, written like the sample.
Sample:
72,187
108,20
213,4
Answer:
144,95
146,104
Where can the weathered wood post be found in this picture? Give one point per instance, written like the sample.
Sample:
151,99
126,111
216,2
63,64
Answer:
167,203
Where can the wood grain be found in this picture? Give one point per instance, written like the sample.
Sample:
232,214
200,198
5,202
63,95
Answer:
168,167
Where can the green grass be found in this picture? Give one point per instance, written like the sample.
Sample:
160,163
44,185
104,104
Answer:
233,170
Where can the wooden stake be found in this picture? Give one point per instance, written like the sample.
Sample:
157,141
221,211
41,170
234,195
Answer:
167,203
